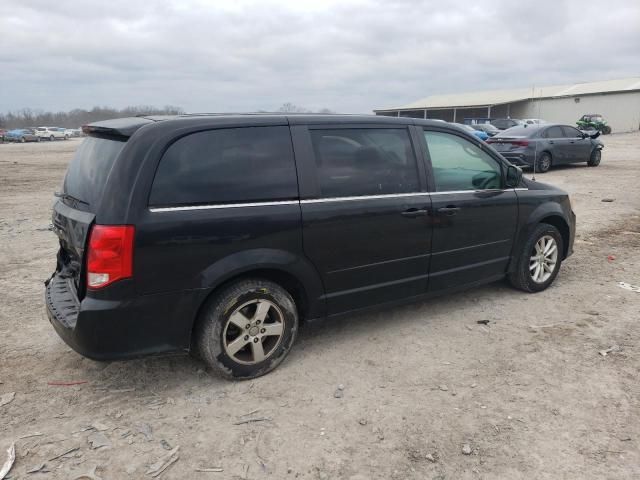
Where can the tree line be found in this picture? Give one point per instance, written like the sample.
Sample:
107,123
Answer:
77,117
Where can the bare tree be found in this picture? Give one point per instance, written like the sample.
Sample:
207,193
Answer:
78,117
292,108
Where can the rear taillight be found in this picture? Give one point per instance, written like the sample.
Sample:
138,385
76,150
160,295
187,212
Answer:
520,143
109,254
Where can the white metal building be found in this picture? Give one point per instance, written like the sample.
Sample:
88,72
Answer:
618,101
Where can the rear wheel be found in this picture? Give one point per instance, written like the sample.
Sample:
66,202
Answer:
51,138
247,329
22,139
594,159
539,260
544,163
606,130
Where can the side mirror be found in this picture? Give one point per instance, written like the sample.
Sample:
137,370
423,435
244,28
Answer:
514,176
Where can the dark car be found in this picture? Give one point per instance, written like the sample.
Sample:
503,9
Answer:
21,135
547,145
220,234
486,128
505,123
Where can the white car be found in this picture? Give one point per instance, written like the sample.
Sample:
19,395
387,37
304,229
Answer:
52,133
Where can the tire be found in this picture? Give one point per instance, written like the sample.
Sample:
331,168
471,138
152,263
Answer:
606,130
66,137
51,138
543,164
37,139
23,140
523,278
231,349
594,159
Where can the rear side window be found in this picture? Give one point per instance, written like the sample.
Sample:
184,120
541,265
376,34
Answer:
88,171
554,132
232,165
367,161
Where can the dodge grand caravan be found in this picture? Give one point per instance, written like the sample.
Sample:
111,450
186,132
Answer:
219,234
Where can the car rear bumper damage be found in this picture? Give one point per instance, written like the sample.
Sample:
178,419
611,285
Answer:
112,329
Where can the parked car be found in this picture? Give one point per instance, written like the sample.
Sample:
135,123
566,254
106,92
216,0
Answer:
486,128
21,135
69,133
220,234
533,121
3,132
504,123
594,121
547,145
51,133
478,133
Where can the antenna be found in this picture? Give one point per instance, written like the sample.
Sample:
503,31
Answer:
535,154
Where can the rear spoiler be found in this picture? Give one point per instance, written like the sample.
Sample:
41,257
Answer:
119,128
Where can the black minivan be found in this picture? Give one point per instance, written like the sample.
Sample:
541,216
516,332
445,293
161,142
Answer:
219,234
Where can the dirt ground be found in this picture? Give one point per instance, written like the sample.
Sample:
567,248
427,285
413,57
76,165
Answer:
529,394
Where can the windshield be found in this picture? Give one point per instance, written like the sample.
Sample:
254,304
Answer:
88,171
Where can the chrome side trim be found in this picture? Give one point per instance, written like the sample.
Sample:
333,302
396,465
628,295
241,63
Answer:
479,191
221,205
363,197
317,200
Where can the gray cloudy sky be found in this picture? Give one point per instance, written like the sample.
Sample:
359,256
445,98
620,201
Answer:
349,56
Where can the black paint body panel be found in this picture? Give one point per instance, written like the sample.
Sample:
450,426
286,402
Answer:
346,254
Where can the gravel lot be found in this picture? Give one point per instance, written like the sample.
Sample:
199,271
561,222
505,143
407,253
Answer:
428,392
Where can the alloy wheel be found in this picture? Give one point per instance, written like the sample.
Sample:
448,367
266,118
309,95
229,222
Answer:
544,259
253,331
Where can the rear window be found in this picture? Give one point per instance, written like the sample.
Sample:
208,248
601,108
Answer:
518,132
232,165
89,169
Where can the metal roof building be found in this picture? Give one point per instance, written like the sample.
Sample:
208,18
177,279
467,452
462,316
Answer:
617,100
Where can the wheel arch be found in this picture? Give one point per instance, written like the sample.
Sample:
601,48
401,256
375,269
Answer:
292,272
550,213
563,227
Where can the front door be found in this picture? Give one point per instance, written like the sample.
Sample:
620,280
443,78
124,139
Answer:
474,217
558,144
579,147
366,226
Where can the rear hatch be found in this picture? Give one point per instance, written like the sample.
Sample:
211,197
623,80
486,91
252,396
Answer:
76,204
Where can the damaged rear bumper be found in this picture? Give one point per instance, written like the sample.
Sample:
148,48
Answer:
106,329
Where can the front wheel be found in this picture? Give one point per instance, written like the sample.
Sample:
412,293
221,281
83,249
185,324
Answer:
22,140
539,260
594,159
247,329
606,130
51,138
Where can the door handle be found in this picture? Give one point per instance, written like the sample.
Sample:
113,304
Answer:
551,142
449,211
415,212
